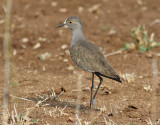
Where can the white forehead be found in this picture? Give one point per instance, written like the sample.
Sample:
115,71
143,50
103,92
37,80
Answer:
65,21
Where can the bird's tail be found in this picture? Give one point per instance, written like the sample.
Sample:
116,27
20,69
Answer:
116,78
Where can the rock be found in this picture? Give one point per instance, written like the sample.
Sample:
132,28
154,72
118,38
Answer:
63,10
112,31
54,4
70,67
67,52
25,40
42,39
149,55
80,9
94,8
44,56
14,52
65,60
64,46
36,46
147,88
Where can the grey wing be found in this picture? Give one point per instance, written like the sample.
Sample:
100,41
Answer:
91,59
82,58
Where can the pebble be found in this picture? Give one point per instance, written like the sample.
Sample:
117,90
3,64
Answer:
70,67
44,56
144,8
139,2
63,10
94,8
67,52
25,40
64,46
149,55
44,68
147,88
54,4
112,31
36,46
80,9
141,77
42,39
23,46
65,60
1,21
14,52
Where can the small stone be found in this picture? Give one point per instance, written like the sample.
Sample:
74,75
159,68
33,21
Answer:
42,39
36,46
65,60
54,4
112,31
147,88
74,72
23,46
149,55
1,21
44,56
64,46
94,8
153,44
44,68
141,77
130,46
63,10
144,8
67,52
139,2
70,67
25,40
80,9
14,52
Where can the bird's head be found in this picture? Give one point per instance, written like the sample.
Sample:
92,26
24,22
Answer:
71,22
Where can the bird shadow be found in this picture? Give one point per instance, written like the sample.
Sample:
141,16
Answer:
57,103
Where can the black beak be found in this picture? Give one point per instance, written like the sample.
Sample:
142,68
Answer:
61,25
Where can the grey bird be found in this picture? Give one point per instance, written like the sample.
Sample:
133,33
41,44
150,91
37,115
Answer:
88,56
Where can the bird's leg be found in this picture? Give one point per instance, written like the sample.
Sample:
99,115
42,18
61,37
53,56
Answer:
93,99
92,87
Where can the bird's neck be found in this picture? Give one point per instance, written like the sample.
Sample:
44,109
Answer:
77,35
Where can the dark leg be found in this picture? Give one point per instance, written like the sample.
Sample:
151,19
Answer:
93,99
92,87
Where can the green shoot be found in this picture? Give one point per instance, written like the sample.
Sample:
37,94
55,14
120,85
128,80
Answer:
142,41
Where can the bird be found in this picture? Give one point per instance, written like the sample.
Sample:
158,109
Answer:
87,56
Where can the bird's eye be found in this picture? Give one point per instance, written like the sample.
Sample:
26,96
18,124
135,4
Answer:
70,22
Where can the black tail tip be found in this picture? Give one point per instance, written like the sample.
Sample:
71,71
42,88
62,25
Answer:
118,79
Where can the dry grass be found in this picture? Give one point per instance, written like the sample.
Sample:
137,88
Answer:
109,122
16,118
128,77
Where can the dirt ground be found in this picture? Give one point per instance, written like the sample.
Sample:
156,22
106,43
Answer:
34,32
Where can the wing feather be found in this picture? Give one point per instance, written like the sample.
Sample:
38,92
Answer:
89,57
